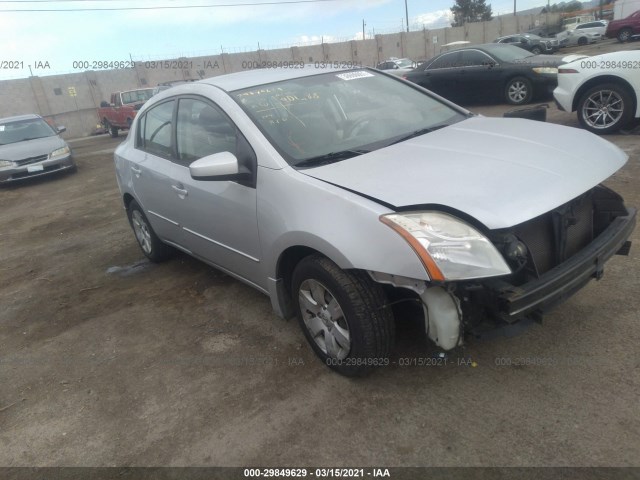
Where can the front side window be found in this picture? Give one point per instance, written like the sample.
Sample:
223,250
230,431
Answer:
156,129
331,116
202,129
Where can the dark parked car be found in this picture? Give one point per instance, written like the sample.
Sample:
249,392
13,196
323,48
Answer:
625,28
531,43
490,70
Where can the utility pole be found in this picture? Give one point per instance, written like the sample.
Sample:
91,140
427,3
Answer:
363,24
514,8
406,13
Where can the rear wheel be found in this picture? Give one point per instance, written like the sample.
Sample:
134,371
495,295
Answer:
582,41
624,35
518,91
343,316
153,248
605,108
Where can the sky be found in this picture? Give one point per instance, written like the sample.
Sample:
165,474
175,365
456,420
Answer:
49,42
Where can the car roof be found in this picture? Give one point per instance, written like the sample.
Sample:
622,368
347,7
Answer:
253,78
17,118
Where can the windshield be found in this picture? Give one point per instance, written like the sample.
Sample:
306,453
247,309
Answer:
19,131
506,53
135,96
333,116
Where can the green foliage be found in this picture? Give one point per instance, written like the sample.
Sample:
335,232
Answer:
469,11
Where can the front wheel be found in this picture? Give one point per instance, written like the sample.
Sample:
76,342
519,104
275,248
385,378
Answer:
343,315
518,91
153,248
605,108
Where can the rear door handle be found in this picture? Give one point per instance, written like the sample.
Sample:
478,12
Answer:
180,190
136,170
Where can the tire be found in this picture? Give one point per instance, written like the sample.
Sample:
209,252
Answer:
536,51
582,41
518,91
605,108
153,248
113,131
343,316
624,35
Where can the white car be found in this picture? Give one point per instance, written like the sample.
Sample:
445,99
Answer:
578,37
397,66
604,90
585,32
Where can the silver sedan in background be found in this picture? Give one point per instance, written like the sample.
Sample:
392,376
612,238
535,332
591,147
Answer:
30,147
344,194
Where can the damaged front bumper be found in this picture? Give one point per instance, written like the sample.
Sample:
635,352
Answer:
559,283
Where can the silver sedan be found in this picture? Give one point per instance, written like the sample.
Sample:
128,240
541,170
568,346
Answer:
345,194
30,147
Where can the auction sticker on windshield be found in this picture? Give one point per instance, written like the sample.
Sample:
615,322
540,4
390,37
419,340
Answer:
354,75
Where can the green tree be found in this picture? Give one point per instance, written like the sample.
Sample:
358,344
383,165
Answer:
469,11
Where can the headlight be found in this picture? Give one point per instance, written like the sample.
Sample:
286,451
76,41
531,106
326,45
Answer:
5,163
449,248
548,70
59,152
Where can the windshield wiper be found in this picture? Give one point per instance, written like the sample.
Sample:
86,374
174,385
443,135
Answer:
417,133
330,158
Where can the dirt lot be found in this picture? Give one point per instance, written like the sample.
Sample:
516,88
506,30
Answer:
107,360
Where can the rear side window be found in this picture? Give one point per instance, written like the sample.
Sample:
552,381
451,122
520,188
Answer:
156,129
449,60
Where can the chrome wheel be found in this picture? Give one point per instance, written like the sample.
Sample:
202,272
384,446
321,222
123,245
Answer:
141,229
602,109
518,91
324,319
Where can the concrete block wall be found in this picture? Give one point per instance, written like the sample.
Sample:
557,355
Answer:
72,99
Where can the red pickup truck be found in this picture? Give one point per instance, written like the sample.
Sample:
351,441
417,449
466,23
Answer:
120,112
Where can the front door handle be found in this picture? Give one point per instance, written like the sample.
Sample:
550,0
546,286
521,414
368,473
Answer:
136,171
180,190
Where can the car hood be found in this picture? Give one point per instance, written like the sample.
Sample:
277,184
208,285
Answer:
31,148
500,171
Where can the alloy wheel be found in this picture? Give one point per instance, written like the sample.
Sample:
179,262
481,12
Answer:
602,109
517,92
141,229
324,319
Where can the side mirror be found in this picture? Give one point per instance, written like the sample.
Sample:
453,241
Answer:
219,166
61,129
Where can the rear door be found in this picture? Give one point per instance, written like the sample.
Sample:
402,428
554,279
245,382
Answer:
441,76
153,171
